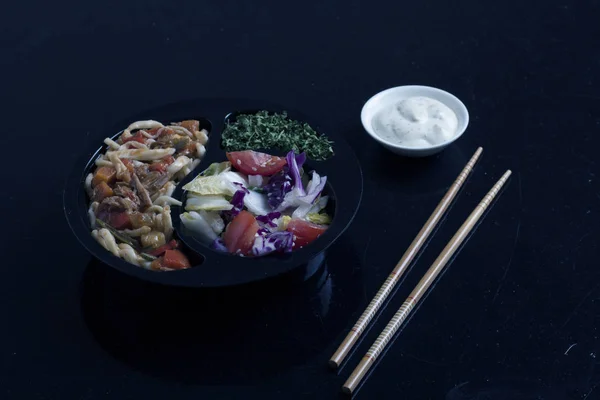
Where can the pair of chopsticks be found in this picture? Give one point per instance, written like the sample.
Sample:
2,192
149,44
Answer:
411,301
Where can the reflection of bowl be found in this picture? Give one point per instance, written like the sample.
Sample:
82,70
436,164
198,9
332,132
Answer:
213,269
381,99
191,335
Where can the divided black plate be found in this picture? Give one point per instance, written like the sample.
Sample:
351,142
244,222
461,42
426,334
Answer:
214,269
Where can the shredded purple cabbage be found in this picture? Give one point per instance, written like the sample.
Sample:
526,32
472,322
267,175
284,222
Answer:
242,187
300,159
278,186
294,171
281,183
268,219
271,242
238,205
263,231
304,202
218,245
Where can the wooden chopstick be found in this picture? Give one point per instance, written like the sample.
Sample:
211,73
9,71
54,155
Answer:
424,284
402,265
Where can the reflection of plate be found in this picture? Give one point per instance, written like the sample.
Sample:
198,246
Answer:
226,336
218,269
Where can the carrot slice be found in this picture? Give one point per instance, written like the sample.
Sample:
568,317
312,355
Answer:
104,174
102,191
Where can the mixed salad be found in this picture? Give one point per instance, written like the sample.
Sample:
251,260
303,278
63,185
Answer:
256,204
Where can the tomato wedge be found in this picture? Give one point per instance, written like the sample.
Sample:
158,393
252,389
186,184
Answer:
191,125
161,166
239,235
138,137
254,163
129,164
119,220
175,259
173,244
304,232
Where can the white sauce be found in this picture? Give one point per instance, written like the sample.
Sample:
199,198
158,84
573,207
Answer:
416,122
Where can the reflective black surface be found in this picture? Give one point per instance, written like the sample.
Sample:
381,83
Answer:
514,316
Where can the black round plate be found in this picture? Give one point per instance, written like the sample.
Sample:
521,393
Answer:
211,268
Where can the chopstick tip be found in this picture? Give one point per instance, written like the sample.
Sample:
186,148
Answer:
332,364
346,390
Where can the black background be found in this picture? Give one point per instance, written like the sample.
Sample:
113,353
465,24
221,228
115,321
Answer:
514,316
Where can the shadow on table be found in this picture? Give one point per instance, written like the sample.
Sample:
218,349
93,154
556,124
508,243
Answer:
410,176
224,336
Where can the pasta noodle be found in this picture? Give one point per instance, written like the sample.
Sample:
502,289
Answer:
127,252
155,209
144,154
194,164
149,124
146,134
111,143
137,232
103,163
88,184
200,150
122,171
169,188
202,136
92,214
107,240
167,222
166,190
142,125
181,129
164,200
134,144
179,163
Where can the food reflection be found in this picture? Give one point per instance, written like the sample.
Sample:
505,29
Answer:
282,323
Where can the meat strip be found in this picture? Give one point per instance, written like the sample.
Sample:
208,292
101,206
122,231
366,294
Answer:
142,192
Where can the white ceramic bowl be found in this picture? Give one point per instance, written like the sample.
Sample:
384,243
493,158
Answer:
381,99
